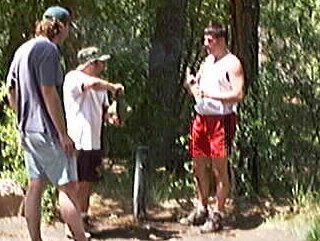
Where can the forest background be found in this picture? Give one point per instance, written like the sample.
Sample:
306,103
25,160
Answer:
152,42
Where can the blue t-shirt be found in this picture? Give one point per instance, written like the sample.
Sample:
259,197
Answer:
35,63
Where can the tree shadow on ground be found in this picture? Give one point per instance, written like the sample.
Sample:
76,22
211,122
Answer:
244,222
142,232
162,222
249,213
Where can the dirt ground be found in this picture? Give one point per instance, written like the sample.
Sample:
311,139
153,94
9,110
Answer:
112,219
14,229
246,222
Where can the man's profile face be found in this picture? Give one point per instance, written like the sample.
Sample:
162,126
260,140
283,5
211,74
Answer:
64,31
209,42
99,67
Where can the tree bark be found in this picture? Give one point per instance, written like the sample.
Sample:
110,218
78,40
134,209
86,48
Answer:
164,68
245,44
244,30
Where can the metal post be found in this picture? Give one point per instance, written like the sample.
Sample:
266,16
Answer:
140,183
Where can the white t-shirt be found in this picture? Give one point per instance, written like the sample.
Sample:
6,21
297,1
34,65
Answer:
84,111
213,78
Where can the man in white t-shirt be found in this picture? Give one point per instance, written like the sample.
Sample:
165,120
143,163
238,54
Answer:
85,100
217,88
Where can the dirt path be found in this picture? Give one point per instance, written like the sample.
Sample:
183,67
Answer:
113,220
14,229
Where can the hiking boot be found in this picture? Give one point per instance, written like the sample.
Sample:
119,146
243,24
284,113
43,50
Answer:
196,217
212,224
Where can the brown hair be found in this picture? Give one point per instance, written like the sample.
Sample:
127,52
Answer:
217,30
48,28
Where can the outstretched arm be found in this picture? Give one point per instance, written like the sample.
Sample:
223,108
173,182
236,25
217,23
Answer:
100,84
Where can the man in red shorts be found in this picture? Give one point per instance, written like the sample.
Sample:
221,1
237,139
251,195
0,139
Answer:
217,88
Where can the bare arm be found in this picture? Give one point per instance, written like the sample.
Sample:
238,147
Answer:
236,78
54,107
11,93
100,84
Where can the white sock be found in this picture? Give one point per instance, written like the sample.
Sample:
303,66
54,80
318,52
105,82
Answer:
201,207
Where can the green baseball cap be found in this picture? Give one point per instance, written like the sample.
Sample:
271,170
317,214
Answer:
91,54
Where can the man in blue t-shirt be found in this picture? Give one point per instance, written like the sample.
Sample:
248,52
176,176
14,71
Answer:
34,83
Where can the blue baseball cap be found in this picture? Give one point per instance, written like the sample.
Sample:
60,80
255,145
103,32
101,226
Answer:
59,13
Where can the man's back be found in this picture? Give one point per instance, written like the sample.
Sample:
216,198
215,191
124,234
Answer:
35,63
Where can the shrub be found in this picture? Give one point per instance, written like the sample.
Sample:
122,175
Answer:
11,155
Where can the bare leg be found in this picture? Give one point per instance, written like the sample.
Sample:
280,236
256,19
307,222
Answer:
33,208
201,167
220,171
69,210
84,192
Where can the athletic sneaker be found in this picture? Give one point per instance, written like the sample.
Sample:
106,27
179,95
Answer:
196,217
212,224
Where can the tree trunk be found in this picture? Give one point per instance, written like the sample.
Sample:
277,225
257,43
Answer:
245,44
163,85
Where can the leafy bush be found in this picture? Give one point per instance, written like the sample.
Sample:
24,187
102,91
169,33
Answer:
11,155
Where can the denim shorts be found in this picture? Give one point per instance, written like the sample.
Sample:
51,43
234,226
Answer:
45,158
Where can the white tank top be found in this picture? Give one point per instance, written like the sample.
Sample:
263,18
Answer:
213,78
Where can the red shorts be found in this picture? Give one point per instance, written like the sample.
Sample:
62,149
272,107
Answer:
212,136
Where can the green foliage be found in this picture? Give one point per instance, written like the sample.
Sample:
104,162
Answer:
11,158
120,177
308,204
314,233
279,127
164,186
49,204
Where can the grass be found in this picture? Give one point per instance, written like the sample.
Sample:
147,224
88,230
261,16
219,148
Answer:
310,205
117,182
314,232
302,217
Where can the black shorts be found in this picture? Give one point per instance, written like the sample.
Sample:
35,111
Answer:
88,165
